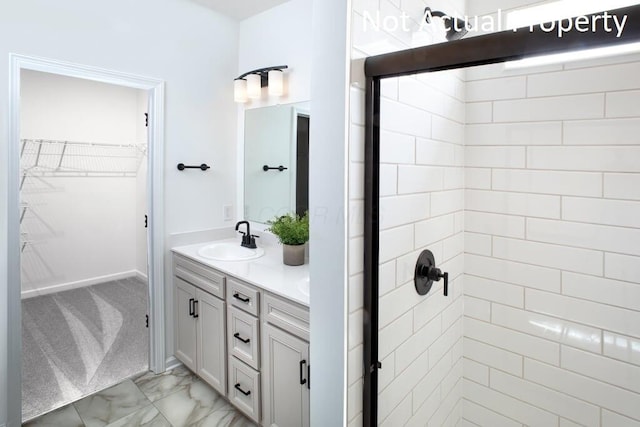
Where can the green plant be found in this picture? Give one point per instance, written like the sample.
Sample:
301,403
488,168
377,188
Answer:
291,229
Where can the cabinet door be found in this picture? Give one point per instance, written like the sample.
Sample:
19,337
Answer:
210,315
285,379
185,323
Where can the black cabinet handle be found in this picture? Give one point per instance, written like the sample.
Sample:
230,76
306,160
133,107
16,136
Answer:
278,168
195,309
309,377
191,300
237,336
237,387
302,380
244,300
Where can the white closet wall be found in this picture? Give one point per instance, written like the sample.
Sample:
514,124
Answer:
82,230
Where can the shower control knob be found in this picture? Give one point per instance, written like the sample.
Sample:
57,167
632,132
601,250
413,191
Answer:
426,273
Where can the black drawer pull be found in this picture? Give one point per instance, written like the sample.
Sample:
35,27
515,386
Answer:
191,300
302,380
237,387
244,300
309,377
237,336
195,309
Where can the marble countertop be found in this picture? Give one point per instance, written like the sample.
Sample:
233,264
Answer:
267,272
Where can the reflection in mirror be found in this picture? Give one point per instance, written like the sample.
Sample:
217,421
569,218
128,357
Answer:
276,161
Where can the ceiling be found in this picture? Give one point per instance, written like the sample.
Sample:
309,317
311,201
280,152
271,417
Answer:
240,9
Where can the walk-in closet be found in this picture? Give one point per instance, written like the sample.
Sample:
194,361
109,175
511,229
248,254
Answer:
83,192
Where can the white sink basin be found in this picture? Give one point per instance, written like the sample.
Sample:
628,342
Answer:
303,286
229,251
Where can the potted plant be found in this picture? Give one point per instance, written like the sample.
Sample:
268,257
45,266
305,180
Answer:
293,232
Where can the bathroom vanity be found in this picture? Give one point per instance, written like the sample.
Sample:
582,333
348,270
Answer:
243,327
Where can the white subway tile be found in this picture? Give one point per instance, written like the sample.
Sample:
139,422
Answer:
386,376
548,182
445,415
445,202
356,218
477,178
426,97
354,370
435,153
494,89
546,133
479,112
476,372
430,307
512,272
482,416
356,286
453,246
622,347
397,117
396,242
417,344
356,144
387,277
533,205
447,130
400,415
589,313
401,386
433,230
602,132
508,406
389,88
476,308
431,381
548,255
491,356
445,342
542,109
585,80
611,419
552,401
426,410
478,244
600,159
357,106
492,71
356,181
622,267
602,211
551,328
397,148
622,186
355,329
495,157
592,236
454,178
605,60
601,368
623,104
356,249
568,423
394,334
354,404
493,291
496,224
397,303
402,210
388,180
527,345
592,391
598,289
420,179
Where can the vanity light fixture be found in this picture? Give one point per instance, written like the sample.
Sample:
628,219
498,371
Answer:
249,85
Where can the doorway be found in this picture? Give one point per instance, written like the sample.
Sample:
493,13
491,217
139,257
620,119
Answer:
19,242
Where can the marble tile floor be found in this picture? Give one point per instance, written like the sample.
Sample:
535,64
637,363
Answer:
176,398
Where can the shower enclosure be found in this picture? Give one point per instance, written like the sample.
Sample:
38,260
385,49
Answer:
523,183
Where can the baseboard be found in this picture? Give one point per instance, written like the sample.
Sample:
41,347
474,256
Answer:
78,284
142,276
172,363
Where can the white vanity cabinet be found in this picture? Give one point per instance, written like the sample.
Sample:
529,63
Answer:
249,344
200,322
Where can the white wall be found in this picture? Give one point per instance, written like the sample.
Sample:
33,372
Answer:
422,181
552,242
81,230
190,47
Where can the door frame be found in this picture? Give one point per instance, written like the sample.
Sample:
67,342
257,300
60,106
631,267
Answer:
155,203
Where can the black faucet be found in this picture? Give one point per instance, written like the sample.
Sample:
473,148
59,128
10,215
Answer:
248,239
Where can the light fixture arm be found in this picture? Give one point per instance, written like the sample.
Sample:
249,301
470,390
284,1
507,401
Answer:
263,73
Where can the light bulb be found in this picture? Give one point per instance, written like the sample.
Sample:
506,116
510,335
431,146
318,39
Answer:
276,84
240,90
254,86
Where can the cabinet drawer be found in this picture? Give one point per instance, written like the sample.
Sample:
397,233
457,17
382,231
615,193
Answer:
199,275
244,337
286,315
244,388
243,296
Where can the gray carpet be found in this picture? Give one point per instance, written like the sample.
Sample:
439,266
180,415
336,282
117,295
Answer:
82,340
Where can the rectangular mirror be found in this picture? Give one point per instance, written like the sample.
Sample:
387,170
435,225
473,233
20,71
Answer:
276,161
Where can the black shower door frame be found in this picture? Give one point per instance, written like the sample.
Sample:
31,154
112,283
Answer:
482,50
